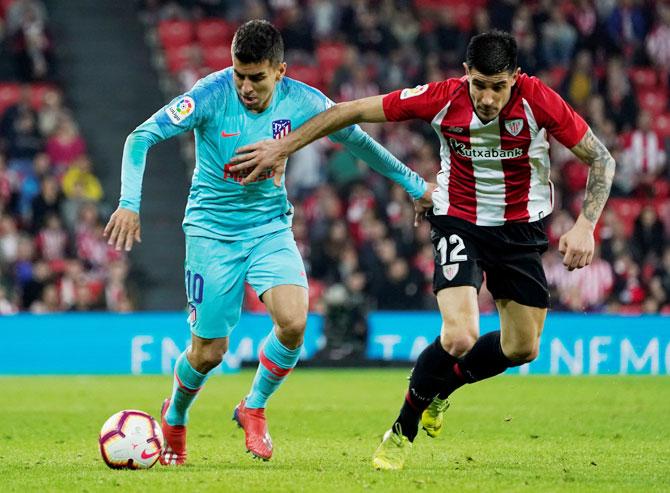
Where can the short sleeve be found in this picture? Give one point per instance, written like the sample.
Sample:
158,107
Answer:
557,116
422,102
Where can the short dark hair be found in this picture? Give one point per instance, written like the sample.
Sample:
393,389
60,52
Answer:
258,40
492,52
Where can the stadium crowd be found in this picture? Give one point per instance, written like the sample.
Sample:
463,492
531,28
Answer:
610,59
53,256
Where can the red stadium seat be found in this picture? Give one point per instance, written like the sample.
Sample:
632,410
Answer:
655,101
643,77
9,95
308,74
177,58
37,92
329,57
217,58
214,32
175,33
627,210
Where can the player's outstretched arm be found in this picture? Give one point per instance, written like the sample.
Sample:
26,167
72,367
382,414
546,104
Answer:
123,229
577,245
273,153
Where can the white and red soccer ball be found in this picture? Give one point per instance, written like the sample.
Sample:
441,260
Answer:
131,439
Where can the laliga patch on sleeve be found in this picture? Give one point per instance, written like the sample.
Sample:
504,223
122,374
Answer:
413,91
181,109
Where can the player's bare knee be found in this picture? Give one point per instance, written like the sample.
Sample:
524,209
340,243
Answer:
460,343
522,353
205,356
290,331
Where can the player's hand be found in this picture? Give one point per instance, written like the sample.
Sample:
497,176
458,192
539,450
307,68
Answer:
424,203
266,154
577,245
123,229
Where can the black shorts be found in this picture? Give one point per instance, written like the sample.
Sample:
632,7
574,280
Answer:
510,255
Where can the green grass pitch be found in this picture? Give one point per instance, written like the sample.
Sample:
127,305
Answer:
516,434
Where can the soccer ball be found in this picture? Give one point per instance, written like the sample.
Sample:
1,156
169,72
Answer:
130,439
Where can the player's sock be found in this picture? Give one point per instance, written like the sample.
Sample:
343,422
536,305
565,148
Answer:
187,384
276,362
425,383
486,359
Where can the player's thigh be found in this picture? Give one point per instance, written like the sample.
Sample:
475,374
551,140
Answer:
520,327
277,274
214,281
460,319
288,306
457,279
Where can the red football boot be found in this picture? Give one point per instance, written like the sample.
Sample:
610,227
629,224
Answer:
174,450
256,436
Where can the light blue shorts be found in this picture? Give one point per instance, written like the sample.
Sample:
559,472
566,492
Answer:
216,270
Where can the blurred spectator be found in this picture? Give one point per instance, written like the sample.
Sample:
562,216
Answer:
51,112
658,41
620,103
296,29
65,145
627,27
648,237
643,157
52,240
401,287
558,39
586,289
7,307
580,82
80,182
32,46
49,201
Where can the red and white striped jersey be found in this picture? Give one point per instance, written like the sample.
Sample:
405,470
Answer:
494,172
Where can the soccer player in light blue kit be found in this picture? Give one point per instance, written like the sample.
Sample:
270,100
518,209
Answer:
238,232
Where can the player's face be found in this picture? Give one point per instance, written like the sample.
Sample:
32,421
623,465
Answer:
490,93
255,82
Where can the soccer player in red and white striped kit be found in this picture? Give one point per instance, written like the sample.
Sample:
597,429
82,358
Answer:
492,194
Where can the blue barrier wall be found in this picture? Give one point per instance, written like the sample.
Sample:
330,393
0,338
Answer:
142,343
149,343
571,344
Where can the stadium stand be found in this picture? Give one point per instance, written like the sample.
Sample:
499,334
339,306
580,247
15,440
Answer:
52,254
354,230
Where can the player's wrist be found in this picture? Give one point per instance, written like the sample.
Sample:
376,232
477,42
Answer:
585,223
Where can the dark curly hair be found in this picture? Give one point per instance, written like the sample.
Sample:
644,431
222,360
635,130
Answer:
258,40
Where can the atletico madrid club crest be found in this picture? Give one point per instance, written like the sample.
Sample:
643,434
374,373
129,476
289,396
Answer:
514,126
280,128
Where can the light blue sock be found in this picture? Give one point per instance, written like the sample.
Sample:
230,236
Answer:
187,383
276,362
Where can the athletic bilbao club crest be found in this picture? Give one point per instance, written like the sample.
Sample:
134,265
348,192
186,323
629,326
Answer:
280,128
450,271
514,126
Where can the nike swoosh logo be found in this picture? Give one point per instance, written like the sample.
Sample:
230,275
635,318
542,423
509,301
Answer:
224,134
144,454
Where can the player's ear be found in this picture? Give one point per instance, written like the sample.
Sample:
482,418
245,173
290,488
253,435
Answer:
281,70
515,75
467,70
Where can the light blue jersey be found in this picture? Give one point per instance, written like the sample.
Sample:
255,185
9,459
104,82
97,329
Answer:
219,207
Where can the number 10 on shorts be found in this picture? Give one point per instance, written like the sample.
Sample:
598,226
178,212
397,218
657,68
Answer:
195,286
